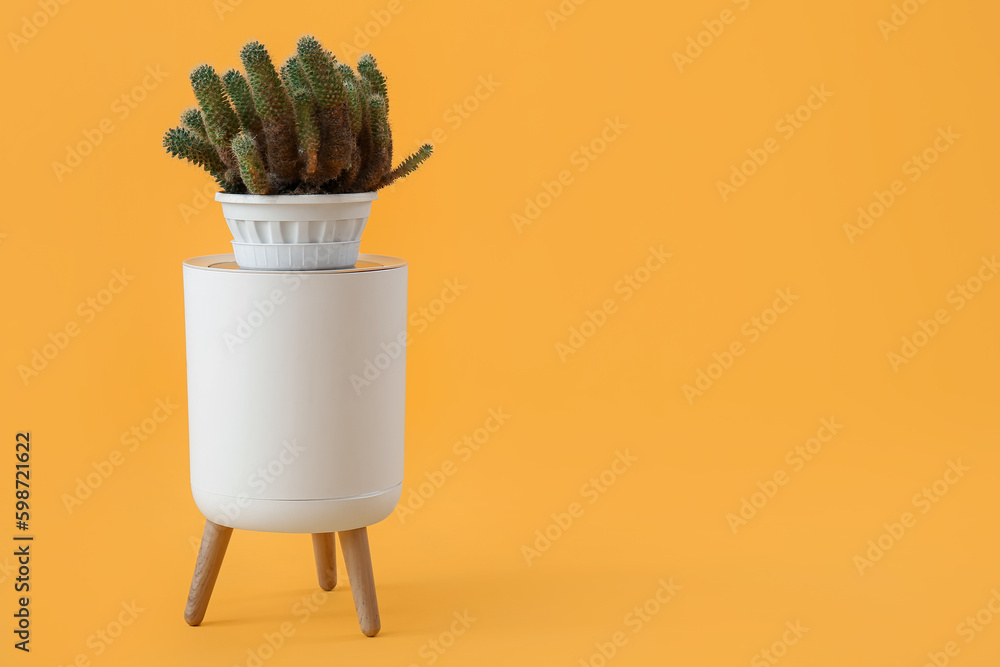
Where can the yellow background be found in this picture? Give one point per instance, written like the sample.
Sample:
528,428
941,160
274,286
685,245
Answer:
495,345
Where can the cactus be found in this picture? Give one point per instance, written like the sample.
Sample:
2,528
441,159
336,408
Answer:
371,73
183,143
220,121
192,121
239,93
318,127
275,110
354,99
306,120
333,113
379,159
409,165
252,168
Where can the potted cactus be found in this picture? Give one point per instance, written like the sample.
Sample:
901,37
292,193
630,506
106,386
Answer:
298,154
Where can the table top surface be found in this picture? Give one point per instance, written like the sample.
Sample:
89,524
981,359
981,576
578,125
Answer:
227,262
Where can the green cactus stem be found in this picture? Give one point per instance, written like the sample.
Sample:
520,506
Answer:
368,69
304,104
252,168
221,123
361,151
354,88
357,89
242,98
276,114
407,166
379,159
336,136
181,142
192,121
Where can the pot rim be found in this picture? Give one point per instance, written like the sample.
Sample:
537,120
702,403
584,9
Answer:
345,198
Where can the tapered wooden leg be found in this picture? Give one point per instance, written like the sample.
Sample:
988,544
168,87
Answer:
358,560
326,560
213,549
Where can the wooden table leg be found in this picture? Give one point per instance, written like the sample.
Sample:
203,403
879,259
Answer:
213,549
326,560
358,560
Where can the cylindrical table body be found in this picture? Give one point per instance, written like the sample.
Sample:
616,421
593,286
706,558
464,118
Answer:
296,388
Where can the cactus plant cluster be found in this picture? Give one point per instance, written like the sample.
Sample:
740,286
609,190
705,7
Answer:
317,126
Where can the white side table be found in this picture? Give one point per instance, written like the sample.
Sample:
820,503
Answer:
296,395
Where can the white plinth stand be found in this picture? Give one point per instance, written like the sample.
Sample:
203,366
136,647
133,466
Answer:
296,383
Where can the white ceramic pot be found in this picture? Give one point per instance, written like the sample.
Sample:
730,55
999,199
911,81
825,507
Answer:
314,222
296,256
296,388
